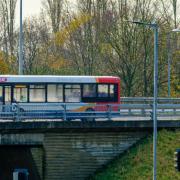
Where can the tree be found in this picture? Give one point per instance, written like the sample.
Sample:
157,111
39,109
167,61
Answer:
54,10
8,14
3,65
85,44
33,30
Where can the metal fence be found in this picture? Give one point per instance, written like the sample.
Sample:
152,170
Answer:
86,112
149,100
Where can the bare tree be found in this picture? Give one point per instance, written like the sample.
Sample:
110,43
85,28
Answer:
86,43
54,10
174,5
8,14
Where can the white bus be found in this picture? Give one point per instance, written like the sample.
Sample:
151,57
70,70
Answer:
84,91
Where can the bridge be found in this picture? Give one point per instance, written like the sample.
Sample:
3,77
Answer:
54,146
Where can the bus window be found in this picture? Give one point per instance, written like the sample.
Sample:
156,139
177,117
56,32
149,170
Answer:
7,90
1,94
37,93
72,93
20,93
89,90
111,90
102,90
55,93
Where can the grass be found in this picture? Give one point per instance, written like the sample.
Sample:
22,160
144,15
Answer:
137,163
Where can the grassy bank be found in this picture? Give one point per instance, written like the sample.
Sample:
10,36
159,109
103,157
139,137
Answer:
137,163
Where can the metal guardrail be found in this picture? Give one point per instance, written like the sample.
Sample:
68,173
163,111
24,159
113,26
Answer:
62,111
149,100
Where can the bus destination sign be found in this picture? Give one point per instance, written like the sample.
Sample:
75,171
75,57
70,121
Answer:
3,79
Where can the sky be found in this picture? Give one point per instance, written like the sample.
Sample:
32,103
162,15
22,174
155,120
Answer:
33,7
30,7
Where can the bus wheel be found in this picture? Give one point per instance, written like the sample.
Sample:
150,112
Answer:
21,110
89,119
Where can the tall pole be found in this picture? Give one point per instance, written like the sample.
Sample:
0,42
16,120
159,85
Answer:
155,27
169,63
20,42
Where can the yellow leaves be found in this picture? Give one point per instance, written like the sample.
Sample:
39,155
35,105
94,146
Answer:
3,65
175,86
175,74
57,63
63,35
106,48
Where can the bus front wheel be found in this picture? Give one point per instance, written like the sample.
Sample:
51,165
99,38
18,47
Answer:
90,115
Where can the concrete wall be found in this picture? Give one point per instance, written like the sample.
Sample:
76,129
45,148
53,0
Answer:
38,157
72,155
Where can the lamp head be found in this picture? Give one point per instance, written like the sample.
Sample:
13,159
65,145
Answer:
137,22
153,24
176,30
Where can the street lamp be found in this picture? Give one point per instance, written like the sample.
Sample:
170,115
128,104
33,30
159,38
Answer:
170,59
176,30
154,26
20,42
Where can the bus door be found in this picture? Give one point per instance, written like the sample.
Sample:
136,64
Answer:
7,95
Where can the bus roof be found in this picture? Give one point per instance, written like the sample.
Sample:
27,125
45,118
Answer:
56,79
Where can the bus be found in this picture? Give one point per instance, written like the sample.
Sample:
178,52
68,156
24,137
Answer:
40,90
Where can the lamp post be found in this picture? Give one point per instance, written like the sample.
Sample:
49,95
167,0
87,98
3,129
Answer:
20,42
169,62
170,58
154,26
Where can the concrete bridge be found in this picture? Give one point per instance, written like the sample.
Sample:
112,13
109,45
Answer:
67,150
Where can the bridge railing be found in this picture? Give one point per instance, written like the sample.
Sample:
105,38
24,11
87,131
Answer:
149,100
85,112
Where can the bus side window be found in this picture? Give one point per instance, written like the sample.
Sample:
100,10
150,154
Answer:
20,93
7,92
72,93
102,90
89,90
111,91
37,93
55,93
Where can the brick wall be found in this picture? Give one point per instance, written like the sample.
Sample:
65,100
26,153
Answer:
71,156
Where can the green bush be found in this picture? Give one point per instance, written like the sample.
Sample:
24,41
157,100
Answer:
137,163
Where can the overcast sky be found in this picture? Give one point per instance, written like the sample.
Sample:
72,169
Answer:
33,7
30,7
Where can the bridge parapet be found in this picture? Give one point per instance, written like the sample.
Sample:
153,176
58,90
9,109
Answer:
29,139
78,126
74,150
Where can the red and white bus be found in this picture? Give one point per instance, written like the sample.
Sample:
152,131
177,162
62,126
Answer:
87,91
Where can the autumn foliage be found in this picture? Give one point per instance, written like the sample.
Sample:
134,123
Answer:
64,34
3,65
95,38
